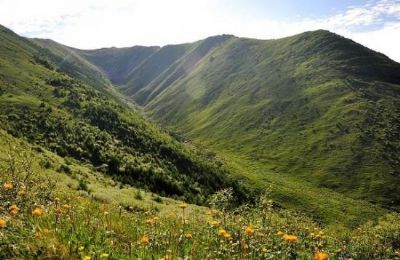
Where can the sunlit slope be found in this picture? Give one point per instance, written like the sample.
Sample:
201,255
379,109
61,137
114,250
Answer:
316,105
69,61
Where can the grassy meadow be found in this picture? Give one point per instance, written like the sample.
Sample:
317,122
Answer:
81,214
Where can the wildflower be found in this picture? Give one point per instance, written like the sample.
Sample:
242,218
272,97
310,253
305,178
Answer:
45,231
21,193
149,222
58,211
280,233
166,257
227,236
86,257
320,256
290,238
249,230
183,205
3,223
13,209
66,206
37,212
189,236
8,185
104,255
214,223
56,199
81,248
155,219
222,232
144,240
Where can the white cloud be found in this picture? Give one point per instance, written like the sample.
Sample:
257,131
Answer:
102,23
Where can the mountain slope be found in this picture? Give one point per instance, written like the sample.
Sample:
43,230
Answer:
69,61
315,106
118,63
42,104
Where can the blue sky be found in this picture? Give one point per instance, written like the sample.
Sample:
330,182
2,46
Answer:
92,24
292,10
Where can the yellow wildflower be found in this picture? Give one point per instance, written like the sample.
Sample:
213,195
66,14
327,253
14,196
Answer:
13,209
227,236
149,222
221,232
289,238
22,193
3,223
320,256
66,206
280,233
249,230
189,236
86,257
37,212
183,205
214,223
144,240
8,185
104,255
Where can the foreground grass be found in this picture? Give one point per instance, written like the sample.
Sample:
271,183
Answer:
79,228
43,214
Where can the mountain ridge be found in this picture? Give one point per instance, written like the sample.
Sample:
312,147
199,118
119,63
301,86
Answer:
319,84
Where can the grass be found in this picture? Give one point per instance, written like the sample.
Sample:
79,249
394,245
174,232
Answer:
63,222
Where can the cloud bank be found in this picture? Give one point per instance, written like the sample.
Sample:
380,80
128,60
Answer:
100,23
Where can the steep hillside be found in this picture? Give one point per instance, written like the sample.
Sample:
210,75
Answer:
118,63
315,106
39,102
69,61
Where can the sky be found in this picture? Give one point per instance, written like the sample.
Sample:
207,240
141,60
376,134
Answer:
90,24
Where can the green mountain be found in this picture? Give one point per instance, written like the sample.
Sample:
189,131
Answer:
315,106
66,105
313,115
